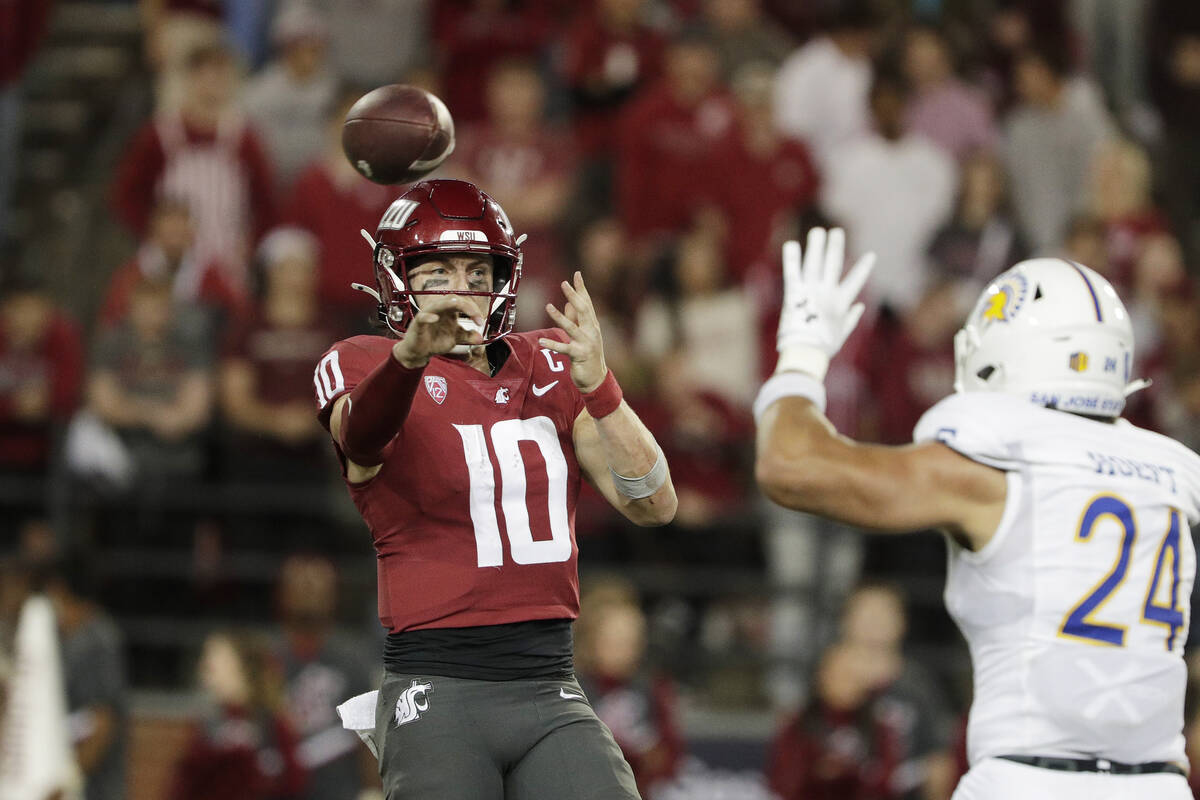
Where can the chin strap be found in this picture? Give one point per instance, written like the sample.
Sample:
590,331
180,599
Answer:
1137,386
368,289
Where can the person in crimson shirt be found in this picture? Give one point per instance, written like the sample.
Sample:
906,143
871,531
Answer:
463,446
638,707
907,362
471,36
168,256
334,203
759,177
266,369
205,155
41,373
524,161
611,55
668,138
243,748
840,747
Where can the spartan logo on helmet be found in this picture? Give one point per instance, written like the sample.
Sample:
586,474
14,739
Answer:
412,702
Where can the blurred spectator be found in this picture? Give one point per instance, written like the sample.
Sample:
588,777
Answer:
611,55
892,191
1113,39
1159,270
908,364
668,137
151,382
982,240
1087,242
172,30
704,436
638,707
472,36
266,371
22,24
822,89
41,373
709,325
524,163
206,156
242,749
840,747
616,289
1012,27
1174,71
320,670
93,667
757,177
1120,198
1049,141
743,35
874,624
167,256
333,202
289,100
952,114
375,42
1172,402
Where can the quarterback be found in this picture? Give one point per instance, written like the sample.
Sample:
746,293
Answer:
1070,557
463,444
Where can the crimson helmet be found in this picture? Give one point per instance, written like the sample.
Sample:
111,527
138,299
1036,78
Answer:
445,216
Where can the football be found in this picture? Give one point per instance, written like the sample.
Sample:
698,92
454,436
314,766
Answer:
397,134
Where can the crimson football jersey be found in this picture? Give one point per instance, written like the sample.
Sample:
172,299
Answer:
473,510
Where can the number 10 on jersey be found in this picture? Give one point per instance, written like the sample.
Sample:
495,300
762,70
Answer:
506,437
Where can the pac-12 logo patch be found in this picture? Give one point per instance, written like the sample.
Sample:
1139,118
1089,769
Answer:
436,386
412,701
1004,299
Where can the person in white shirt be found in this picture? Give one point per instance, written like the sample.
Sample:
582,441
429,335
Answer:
821,89
892,191
1070,560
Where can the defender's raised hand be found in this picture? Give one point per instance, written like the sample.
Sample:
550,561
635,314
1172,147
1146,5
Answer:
438,328
818,311
585,347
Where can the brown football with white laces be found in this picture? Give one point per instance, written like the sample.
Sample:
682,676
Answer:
397,134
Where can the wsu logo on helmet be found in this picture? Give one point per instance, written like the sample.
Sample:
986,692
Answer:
412,702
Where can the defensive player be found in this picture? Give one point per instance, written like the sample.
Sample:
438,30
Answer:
1070,558
462,444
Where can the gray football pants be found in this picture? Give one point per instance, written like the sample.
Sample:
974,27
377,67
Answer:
458,739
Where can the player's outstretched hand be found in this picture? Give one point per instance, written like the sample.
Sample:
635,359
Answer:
438,328
585,347
818,311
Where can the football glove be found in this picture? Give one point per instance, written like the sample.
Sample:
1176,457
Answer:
818,311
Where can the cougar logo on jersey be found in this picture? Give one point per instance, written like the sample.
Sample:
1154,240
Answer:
436,386
502,396
1006,300
412,701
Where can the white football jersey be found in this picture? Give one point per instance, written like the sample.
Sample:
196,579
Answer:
1077,610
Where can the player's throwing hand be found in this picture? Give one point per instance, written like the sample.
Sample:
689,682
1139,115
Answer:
586,347
818,311
438,328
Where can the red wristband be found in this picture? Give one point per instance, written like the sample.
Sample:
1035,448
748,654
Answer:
605,398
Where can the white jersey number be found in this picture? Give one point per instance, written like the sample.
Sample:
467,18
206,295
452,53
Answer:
1079,623
506,437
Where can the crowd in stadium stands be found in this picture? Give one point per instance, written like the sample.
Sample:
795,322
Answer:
666,148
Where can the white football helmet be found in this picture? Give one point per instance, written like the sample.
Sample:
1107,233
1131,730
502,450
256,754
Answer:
1052,331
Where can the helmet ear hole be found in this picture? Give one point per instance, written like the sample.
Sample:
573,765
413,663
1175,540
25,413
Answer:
985,373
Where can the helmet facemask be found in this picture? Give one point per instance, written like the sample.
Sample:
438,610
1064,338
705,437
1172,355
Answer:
399,303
